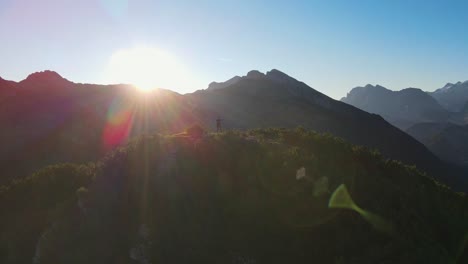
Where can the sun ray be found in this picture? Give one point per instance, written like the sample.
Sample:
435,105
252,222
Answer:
148,68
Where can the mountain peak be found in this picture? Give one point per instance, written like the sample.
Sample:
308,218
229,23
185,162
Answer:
275,72
452,96
256,75
412,90
46,75
451,86
369,87
272,75
278,76
357,94
45,79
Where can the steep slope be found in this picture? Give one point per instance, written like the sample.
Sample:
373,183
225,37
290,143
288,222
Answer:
453,96
277,100
233,198
401,108
448,141
221,85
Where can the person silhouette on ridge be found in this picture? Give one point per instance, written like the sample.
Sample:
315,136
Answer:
218,125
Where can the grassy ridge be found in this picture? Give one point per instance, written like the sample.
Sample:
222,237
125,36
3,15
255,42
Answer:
231,197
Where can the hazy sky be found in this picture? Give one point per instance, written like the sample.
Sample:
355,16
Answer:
184,45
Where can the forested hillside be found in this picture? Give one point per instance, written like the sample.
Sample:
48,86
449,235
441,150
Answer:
260,196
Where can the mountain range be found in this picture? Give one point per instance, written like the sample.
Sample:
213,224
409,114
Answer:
434,118
110,174
50,119
401,108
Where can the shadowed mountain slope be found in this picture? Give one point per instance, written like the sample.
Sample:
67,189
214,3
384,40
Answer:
448,141
275,99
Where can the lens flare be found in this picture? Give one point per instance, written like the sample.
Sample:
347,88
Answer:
342,199
119,124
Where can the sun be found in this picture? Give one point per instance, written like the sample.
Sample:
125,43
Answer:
147,68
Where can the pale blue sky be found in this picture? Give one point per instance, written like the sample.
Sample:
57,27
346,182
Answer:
331,45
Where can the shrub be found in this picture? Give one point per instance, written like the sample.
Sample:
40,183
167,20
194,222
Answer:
195,131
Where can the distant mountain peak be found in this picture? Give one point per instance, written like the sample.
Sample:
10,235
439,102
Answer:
275,72
452,96
46,75
371,86
445,88
450,86
402,108
45,79
256,75
272,75
365,89
278,76
412,89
